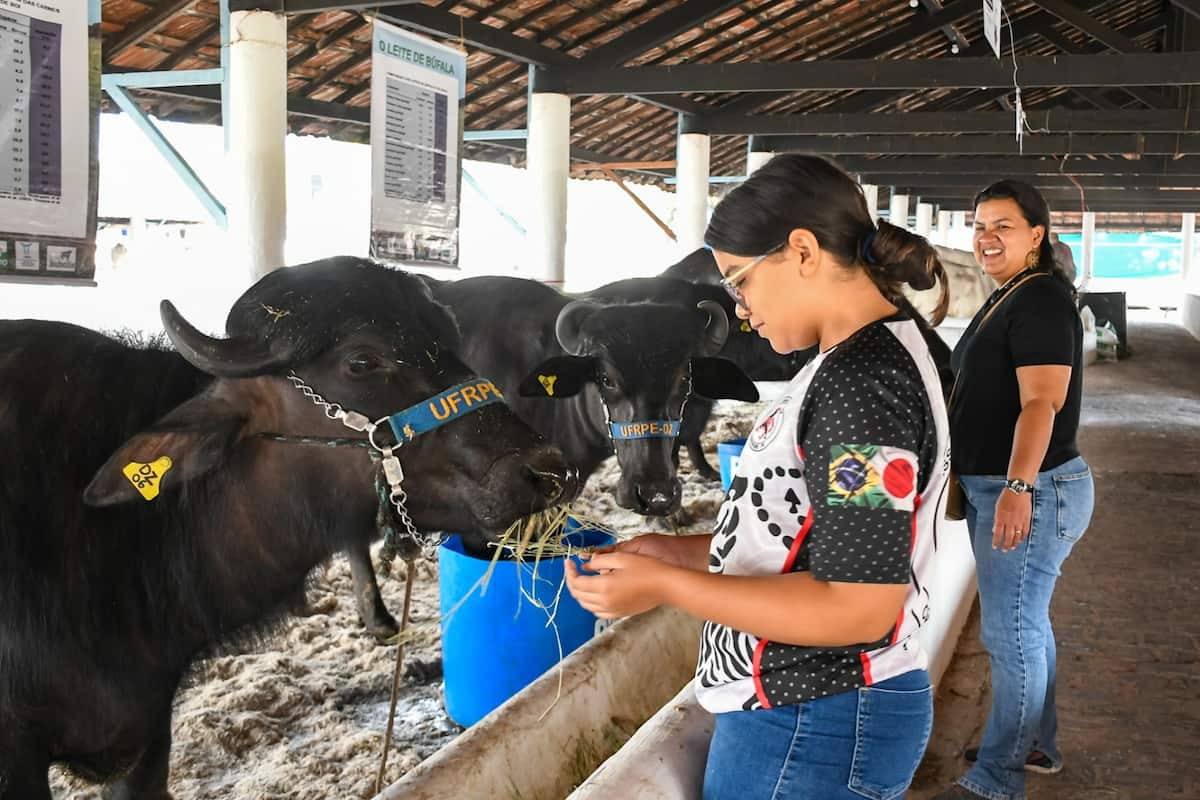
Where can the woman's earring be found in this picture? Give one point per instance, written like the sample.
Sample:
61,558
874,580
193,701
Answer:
1031,260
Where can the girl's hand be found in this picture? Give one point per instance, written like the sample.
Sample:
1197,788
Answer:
1014,513
628,583
679,551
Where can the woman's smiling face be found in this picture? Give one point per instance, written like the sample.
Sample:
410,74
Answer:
1004,238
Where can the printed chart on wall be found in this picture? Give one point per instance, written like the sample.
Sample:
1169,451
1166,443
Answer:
417,87
47,137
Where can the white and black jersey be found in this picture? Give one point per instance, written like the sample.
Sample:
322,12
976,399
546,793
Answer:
844,478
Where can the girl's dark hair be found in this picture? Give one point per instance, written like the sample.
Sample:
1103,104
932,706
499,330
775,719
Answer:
802,191
1036,212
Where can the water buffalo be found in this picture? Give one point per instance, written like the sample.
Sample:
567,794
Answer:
584,365
155,502
743,347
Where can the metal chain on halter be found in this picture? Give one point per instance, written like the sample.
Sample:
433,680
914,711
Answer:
393,541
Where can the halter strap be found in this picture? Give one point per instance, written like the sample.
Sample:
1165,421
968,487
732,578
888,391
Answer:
455,402
645,429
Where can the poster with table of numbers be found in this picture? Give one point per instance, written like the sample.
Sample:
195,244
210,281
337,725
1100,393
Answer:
49,102
417,87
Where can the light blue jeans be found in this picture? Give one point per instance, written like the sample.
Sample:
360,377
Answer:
863,743
1014,600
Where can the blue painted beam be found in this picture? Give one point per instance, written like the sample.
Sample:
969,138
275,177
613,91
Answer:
495,136
712,179
474,184
211,204
171,77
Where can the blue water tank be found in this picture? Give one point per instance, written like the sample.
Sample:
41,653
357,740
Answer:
498,642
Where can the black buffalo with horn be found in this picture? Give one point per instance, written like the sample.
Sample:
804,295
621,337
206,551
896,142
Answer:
155,502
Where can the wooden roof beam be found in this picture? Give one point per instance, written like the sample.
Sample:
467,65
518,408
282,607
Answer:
1055,120
906,181
1162,69
1021,165
1085,22
1150,97
992,144
192,48
312,48
427,19
662,28
1188,6
134,34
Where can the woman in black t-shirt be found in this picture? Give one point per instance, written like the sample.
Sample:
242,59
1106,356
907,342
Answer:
1013,420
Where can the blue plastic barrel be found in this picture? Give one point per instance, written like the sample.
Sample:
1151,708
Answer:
497,642
729,454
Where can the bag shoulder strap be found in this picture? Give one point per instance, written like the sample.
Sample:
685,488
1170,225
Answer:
987,316
1005,296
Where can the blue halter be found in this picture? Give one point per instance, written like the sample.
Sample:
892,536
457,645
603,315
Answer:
455,402
645,429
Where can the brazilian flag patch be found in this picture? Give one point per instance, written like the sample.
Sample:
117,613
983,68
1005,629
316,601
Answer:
872,476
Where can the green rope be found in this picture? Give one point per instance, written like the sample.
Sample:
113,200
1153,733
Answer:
394,543
323,441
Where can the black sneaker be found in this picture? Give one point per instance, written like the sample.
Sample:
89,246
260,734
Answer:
1037,761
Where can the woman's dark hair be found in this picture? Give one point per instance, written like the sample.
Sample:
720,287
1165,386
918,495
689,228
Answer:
1036,212
802,191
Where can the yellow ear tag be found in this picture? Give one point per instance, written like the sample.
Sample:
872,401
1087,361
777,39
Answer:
746,326
547,382
147,478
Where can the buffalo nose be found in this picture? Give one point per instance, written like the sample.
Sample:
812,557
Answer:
656,502
555,486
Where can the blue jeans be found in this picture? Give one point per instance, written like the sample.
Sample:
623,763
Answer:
860,743
1014,601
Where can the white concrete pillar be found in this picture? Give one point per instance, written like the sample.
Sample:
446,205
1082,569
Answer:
691,190
548,159
942,234
898,215
755,159
924,219
960,234
1089,249
257,130
1188,243
871,192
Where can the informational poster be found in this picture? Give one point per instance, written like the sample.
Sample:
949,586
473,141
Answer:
49,118
417,88
991,24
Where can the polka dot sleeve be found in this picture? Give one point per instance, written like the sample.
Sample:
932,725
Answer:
861,432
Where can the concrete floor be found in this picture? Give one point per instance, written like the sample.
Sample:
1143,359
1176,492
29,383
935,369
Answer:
1127,608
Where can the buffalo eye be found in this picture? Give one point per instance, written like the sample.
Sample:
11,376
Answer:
362,363
605,381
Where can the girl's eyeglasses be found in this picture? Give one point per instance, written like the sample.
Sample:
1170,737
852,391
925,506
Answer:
731,283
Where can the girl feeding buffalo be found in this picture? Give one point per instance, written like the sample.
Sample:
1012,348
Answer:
813,584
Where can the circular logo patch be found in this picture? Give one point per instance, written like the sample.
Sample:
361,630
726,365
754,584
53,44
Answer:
765,432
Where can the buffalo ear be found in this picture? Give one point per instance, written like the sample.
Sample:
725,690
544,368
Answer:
718,378
561,376
188,442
